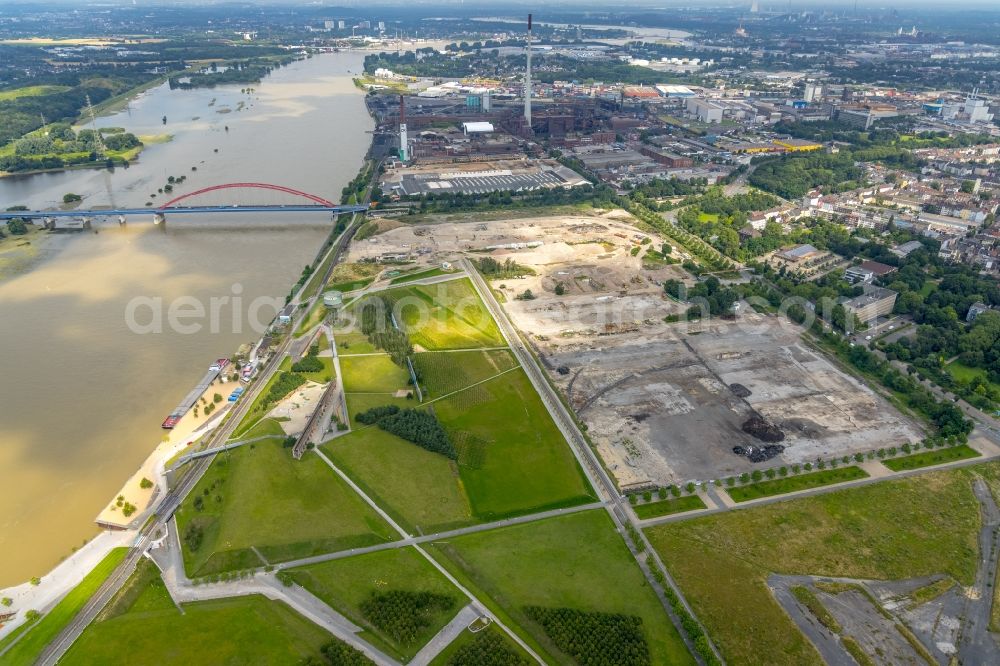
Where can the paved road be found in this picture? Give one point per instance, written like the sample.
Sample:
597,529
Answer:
443,638
617,509
825,641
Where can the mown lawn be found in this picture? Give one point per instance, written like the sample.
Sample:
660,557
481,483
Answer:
351,341
422,491
896,529
259,496
576,561
345,584
931,457
448,315
41,633
790,484
669,506
512,457
372,374
441,373
148,629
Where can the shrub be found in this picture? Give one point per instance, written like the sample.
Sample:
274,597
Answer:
145,484
402,614
488,647
593,638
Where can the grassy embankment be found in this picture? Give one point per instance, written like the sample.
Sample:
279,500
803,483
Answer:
143,623
41,633
257,498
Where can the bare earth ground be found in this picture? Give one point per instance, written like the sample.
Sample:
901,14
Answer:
660,408
655,396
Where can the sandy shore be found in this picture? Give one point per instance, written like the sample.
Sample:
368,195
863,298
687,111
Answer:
188,431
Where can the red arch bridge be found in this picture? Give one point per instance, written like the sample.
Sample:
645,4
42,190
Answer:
316,204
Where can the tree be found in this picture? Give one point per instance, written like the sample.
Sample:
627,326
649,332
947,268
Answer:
70,197
560,289
968,186
17,226
35,580
145,483
6,601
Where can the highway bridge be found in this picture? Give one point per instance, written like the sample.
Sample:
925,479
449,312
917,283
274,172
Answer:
318,205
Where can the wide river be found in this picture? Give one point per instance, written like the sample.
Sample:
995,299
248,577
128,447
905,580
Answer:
82,394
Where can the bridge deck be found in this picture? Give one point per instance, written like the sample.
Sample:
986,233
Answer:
186,210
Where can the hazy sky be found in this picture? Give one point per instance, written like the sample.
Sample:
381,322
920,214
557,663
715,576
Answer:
504,6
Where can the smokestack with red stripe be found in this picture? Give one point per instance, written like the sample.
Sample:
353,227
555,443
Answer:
527,79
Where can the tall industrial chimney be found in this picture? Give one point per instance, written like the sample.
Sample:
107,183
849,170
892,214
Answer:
404,147
527,79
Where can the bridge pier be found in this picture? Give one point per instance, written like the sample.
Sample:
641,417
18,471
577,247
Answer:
160,219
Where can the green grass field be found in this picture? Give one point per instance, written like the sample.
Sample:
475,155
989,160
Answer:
41,633
512,457
932,457
30,91
575,561
420,275
448,315
372,374
148,629
345,584
441,373
896,529
791,484
422,491
351,342
260,497
667,507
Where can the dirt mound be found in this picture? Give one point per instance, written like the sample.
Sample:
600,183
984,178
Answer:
762,430
740,391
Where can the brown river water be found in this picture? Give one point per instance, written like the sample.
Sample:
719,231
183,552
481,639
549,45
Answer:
82,394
